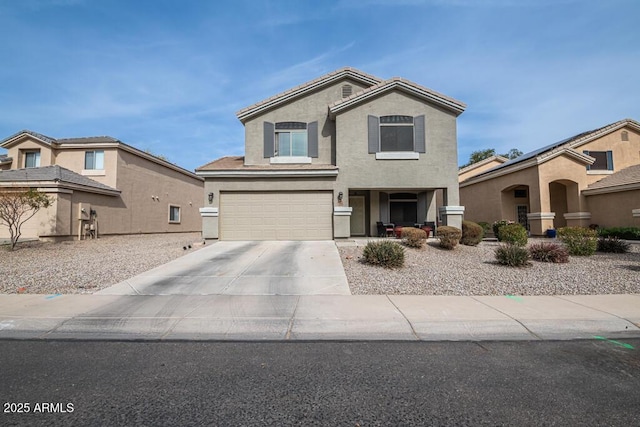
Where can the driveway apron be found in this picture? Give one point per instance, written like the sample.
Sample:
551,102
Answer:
245,268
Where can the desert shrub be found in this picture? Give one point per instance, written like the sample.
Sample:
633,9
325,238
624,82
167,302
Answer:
627,233
512,255
472,233
486,227
413,237
496,227
384,253
549,252
579,240
613,244
449,236
513,233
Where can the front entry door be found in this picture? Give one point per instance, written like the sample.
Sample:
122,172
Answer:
521,211
357,216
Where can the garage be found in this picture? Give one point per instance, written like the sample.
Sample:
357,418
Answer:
288,215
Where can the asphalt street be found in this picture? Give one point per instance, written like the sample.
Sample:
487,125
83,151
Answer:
594,382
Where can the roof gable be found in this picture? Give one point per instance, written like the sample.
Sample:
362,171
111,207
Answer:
403,85
305,88
19,136
472,166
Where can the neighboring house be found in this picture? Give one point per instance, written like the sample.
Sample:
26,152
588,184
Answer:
479,167
590,178
99,185
334,156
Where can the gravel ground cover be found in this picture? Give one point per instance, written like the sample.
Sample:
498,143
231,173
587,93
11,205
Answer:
86,266
468,270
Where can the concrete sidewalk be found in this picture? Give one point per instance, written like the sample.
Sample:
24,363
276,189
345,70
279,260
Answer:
318,317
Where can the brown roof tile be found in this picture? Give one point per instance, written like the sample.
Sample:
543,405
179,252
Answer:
630,175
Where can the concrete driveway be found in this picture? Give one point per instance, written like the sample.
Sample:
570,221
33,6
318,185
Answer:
245,268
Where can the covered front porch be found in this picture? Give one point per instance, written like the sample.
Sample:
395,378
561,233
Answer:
398,207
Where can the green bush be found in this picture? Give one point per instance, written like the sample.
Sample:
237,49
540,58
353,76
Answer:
512,255
496,227
579,240
384,253
486,227
449,236
613,244
413,237
627,233
549,252
513,233
472,233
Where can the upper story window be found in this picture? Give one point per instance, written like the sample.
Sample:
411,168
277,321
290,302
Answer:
290,142
604,160
396,133
291,139
32,159
94,160
396,137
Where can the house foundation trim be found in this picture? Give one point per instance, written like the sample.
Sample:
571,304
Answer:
209,212
541,215
577,215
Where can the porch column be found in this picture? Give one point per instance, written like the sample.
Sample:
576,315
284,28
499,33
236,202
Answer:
540,222
342,222
451,214
578,219
209,223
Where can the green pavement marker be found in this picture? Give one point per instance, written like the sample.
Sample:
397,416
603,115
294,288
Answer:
514,297
621,344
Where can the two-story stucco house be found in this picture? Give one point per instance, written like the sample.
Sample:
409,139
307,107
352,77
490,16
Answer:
589,178
333,157
99,185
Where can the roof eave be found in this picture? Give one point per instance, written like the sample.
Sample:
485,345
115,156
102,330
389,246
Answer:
611,189
315,173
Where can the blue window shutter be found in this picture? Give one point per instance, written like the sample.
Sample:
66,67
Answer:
374,134
269,135
609,160
312,139
384,207
587,153
419,141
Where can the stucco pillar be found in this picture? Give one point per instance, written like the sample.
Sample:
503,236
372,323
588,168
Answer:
540,222
209,223
578,219
342,222
452,216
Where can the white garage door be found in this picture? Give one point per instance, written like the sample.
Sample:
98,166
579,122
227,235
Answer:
276,216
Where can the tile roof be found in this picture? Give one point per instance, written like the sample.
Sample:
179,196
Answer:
272,101
88,140
37,135
563,145
630,175
5,158
51,173
482,162
237,163
399,83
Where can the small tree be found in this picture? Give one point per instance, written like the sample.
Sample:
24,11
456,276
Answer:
19,205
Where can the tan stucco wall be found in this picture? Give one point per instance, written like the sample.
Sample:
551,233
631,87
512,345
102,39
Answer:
16,151
311,108
43,222
73,159
614,209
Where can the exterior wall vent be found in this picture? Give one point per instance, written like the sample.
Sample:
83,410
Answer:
347,90
624,135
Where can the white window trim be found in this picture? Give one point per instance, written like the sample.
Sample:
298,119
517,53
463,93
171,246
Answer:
93,172
397,155
289,160
599,172
179,214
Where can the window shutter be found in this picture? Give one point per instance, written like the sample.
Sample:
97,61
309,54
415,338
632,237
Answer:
384,206
587,153
609,160
419,134
312,139
374,134
269,135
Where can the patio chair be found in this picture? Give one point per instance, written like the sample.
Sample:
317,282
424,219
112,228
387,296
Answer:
384,230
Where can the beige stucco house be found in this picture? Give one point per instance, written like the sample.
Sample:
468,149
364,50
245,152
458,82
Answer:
589,178
99,185
332,157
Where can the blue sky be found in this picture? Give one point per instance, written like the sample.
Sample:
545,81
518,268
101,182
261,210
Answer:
169,76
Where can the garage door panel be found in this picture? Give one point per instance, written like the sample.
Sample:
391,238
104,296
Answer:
276,216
